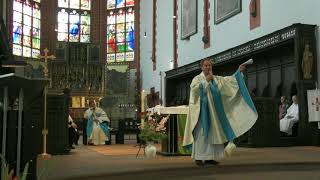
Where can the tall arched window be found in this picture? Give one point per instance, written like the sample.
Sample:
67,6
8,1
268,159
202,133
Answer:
74,20
120,30
26,28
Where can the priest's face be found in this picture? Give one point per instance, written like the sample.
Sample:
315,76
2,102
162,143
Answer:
206,67
295,99
92,105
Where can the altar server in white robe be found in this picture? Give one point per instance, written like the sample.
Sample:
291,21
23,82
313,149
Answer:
97,130
220,109
291,117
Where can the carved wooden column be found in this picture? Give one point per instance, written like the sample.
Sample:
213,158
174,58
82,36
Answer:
206,27
154,34
175,35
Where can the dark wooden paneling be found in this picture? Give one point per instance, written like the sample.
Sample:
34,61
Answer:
262,81
288,78
265,132
275,79
57,124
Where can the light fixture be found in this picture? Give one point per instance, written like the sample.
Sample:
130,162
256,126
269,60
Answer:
171,64
174,17
10,64
145,35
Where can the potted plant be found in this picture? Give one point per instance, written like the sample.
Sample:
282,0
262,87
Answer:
153,130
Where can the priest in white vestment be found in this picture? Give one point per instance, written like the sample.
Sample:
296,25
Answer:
220,109
97,130
291,117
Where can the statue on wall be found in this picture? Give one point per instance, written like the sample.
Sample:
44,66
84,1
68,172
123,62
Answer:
307,62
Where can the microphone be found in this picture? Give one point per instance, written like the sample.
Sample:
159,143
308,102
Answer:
250,61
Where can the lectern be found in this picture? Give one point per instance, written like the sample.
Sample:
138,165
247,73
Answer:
21,110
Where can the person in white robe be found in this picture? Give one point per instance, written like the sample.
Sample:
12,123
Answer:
220,109
97,130
291,117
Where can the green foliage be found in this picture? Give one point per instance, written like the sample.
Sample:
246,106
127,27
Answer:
148,133
153,129
7,174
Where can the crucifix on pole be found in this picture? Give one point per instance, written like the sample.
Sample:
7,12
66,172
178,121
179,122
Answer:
46,72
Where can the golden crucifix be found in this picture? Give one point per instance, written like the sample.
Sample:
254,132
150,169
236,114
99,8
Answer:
46,72
46,57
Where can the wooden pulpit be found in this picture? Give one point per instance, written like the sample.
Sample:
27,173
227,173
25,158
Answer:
21,111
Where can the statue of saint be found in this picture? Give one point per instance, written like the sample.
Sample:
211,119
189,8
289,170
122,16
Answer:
307,62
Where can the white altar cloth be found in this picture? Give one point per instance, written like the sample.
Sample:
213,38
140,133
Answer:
169,110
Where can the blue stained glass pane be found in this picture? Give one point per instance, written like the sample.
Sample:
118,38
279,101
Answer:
130,34
16,38
130,46
16,34
120,3
74,29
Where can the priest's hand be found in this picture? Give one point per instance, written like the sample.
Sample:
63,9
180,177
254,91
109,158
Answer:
209,77
242,67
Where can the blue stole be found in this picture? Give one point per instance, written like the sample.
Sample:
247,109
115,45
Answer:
90,122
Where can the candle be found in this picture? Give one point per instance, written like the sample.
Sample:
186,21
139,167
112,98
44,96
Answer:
142,107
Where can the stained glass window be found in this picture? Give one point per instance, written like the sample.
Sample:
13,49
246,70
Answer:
26,28
120,30
74,20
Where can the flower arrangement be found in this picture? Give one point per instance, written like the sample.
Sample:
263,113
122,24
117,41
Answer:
153,129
